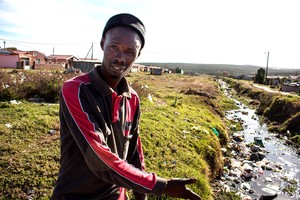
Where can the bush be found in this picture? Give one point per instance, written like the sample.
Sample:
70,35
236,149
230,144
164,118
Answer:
31,84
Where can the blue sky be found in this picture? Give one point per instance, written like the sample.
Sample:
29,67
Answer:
190,31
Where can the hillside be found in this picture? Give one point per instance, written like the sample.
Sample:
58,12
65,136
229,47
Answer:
221,69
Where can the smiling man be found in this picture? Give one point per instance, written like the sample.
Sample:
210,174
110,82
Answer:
101,151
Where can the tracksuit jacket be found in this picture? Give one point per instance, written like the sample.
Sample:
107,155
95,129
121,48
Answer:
101,151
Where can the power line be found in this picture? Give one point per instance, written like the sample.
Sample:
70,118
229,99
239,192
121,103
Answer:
41,43
18,44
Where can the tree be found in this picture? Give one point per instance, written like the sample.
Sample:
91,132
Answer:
225,74
260,76
11,48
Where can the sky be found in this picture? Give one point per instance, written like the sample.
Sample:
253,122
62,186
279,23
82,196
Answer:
238,32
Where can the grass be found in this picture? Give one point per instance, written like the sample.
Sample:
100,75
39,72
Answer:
176,130
29,154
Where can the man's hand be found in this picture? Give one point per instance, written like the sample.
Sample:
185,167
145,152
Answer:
176,188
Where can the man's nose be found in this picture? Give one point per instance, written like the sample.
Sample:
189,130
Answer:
120,57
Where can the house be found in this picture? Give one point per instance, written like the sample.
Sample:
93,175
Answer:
244,77
292,84
290,87
156,71
291,79
137,68
177,71
274,80
65,60
29,57
85,65
8,59
19,59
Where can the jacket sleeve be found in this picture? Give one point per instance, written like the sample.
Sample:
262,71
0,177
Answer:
90,139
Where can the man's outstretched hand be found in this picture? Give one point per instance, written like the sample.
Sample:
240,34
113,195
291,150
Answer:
176,188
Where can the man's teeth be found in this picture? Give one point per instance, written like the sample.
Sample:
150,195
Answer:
118,67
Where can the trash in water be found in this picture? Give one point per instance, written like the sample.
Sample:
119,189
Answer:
258,141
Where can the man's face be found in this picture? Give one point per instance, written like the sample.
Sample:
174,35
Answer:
121,47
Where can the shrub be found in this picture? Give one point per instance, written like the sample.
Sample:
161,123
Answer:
31,84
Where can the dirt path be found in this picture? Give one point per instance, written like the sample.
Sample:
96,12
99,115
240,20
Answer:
266,88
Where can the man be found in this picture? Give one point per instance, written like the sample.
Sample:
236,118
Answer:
101,152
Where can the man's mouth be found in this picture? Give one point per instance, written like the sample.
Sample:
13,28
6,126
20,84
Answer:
118,67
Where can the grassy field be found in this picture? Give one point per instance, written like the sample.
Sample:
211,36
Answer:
29,152
179,116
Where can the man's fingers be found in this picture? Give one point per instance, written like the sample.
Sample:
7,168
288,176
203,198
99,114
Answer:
176,187
192,195
185,180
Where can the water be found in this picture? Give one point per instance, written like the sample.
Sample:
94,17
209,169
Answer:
283,160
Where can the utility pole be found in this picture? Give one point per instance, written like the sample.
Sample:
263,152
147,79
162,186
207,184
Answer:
266,78
92,50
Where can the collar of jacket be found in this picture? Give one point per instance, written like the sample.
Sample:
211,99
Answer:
102,87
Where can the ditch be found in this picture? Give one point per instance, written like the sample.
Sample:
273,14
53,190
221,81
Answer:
261,164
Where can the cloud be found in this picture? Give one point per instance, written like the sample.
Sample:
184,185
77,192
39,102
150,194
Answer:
201,31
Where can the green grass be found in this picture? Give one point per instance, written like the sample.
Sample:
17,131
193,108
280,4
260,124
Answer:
176,130
29,154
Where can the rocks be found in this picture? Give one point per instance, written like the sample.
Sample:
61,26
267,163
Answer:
247,164
52,131
36,100
14,102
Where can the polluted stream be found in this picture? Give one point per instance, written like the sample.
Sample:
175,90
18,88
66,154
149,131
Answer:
261,165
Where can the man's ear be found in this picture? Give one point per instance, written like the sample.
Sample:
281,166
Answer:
102,43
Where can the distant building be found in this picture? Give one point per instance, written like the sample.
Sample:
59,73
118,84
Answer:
135,68
244,77
275,80
178,70
156,71
31,57
85,65
291,78
290,87
65,60
8,59
20,59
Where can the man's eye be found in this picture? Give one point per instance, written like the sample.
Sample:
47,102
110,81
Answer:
131,53
113,46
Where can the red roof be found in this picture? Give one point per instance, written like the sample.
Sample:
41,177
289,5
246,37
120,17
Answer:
61,57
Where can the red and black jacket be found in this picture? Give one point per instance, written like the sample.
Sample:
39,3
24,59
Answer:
101,151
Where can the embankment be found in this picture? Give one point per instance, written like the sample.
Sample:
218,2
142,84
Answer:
282,112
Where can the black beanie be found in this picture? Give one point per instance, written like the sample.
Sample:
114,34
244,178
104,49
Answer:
128,20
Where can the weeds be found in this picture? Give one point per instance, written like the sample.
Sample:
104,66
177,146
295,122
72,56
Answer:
27,84
29,154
